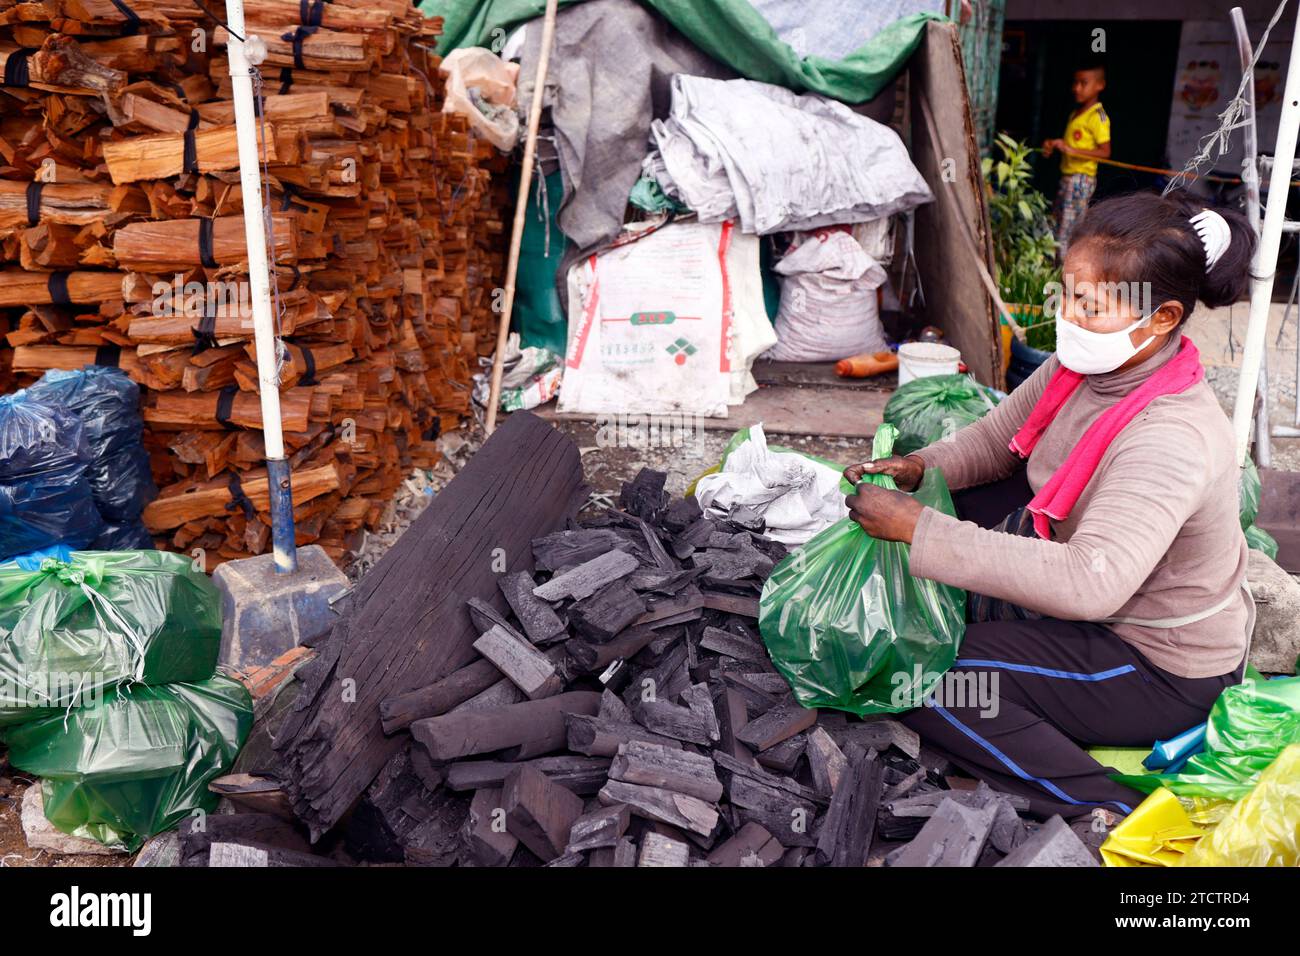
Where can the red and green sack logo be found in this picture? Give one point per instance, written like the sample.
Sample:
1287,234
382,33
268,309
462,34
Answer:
681,350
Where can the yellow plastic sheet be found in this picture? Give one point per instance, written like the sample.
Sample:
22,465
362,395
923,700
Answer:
1157,833
1263,828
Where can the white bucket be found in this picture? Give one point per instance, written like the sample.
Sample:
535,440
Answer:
923,359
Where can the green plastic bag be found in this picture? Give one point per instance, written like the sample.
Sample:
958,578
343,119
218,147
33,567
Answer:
927,410
72,629
849,627
538,317
137,762
1256,537
1249,726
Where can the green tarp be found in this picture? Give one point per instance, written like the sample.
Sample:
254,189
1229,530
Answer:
730,31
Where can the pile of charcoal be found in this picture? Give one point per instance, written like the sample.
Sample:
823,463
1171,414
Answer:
625,713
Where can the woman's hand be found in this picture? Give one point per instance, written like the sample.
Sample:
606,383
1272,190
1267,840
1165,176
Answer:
907,472
884,513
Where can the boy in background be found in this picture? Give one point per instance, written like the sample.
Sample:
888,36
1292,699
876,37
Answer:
1086,140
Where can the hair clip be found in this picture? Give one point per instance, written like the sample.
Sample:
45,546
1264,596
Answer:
1215,235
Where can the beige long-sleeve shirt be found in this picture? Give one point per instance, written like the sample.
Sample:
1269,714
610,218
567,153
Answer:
1154,535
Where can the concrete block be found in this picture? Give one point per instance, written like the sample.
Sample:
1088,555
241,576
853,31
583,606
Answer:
1052,844
1276,643
264,614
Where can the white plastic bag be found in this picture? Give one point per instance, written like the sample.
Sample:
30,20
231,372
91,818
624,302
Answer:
828,300
481,85
798,497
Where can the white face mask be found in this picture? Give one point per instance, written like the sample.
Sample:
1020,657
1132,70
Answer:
1094,353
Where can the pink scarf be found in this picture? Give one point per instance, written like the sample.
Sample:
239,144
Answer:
1062,490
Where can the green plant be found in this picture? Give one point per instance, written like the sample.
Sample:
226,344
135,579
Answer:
1024,248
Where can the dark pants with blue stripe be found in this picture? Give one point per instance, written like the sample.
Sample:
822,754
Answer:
1049,688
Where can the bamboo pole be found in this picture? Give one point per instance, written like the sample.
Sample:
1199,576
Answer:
521,206
268,383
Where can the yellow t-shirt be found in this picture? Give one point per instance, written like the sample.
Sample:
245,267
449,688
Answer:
1089,129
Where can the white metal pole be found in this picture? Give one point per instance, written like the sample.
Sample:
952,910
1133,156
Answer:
1265,264
250,181
1250,178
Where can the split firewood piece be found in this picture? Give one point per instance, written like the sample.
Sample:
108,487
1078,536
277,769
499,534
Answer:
180,243
665,806
315,48
178,504
539,620
42,358
67,204
603,827
523,664
602,736
826,761
851,821
501,694
205,410
60,66
778,724
681,771
581,775
19,287
540,813
490,842
163,155
397,713
672,720
732,645
587,578
782,812
750,846
660,850
533,728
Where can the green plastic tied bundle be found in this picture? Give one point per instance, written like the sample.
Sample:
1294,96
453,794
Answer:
136,762
848,626
72,629
930,409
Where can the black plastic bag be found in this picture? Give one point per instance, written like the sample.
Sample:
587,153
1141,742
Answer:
131,536
108,404
45,495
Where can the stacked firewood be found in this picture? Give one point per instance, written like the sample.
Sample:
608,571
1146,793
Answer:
122,242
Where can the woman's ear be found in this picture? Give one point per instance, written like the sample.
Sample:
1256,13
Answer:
1167,317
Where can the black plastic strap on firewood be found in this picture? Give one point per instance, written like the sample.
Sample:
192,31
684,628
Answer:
109,354
296,37
309,373
205,333
226,404
286,79
17,72
190,162
57,286
310,13
132,25
207,255
34,202
238,499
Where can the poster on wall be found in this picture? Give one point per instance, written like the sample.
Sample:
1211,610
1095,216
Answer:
1206,80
